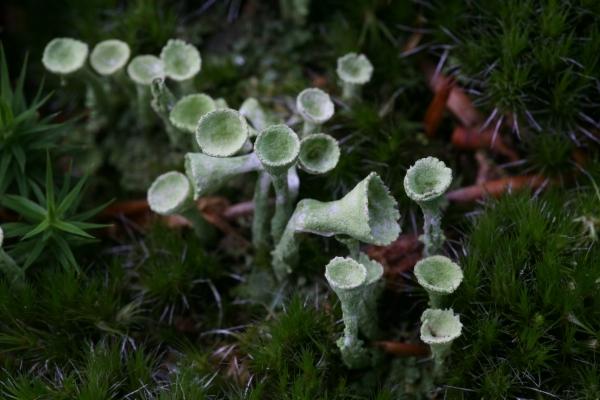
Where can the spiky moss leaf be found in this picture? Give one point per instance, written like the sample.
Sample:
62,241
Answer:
293,356
48,320
531,59
177,276
531,308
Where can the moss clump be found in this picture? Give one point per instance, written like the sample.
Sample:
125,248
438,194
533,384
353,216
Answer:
529,301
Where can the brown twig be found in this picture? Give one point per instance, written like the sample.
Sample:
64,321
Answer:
495,188
469,139
401,349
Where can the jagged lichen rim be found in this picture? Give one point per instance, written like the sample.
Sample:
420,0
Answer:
169,193
440,326
105,64
265,151
217,141
318,113
427,179
143,69
200,102
382,211
373,267
354,68
345,273
328,158
183,52
438,274
71,57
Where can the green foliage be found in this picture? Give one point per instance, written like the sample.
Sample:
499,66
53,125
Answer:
50,226
529,301
535,60
25,136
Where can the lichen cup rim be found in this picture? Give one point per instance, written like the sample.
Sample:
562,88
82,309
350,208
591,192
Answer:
383,224
339,265
178,193
216,143
79,52
326,106
101,65
442,319
177,119
1,237
194,60
426,276
143,59
434,185
363,76
266,155
333,154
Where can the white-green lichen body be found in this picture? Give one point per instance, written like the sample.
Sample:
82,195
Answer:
64,56
187,111
181,60
277,147
319,153
207,173
425,183
315,107
354,68
439,276
367,213
170,193
439,328
222,133
110,56
143,69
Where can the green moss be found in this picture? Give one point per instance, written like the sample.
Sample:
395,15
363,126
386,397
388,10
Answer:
529,300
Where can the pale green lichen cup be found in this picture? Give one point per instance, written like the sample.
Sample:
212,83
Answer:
439,276
188,111
277,147
182,60
439,328
315,107
319,153
64,56
170,193
425,183
144,69
222,133
347,278
110,56
427,179
354,70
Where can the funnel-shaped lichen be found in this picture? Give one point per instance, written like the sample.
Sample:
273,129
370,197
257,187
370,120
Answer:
143,70
368,213
425,183
347,277
171,193
354,70
277,147
439,276
222,133
319,153
315,107
188,111
109,56
439,328
207,173
65,56
182,60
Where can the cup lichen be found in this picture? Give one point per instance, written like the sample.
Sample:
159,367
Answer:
110,56
354,70
425,183
439,276
315,107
